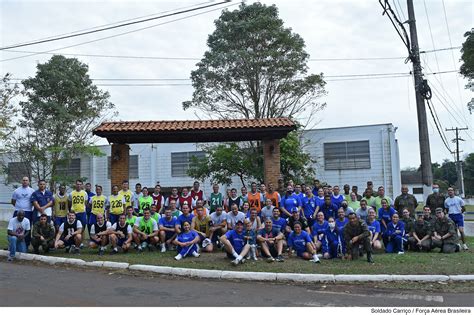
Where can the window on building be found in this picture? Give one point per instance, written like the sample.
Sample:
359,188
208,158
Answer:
71,170
180,162
16,171
346,155
418,190
132,167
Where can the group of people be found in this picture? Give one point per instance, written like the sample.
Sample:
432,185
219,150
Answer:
308,222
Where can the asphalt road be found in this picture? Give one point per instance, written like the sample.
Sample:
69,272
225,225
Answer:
23,284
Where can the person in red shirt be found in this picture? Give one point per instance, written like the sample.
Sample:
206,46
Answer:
158,199
197,194
186,197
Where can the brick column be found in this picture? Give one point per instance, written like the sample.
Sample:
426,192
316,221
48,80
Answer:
119,163
271,161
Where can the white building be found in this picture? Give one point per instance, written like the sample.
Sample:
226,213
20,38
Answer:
351,155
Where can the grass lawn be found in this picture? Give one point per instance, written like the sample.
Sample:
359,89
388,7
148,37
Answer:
410,263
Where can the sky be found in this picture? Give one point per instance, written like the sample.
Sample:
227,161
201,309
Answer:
332,29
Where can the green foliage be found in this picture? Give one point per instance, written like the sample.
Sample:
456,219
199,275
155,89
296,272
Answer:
7,109
62,107
445,174
296,164
468,172
467,56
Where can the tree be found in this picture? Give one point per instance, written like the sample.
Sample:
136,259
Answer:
467,56
256,68
62,107
468,172
8,110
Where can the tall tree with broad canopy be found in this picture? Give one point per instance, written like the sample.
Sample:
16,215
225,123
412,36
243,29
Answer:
467,67
8,110
256,68
62,107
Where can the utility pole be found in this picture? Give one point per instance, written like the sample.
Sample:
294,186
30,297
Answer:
460,181
426,172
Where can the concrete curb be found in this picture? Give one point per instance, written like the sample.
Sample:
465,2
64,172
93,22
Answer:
242,275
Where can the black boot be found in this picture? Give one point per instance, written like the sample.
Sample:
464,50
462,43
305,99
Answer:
369,258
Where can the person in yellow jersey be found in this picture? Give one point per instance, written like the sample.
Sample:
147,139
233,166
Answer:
127,194
201,223
97,204
60,207
78,199
116,205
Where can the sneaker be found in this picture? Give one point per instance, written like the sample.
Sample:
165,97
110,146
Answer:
235,262
10,258
401,253
242,261
101,252
195,254
115,251
280,258
68,249
464,246
81,246
163,248
140,249
72,249
219,245
315,260
270,259
77,251
206,242
178,257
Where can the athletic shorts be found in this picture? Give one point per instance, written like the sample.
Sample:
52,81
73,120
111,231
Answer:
92,219
121,241
458,219
168,235
113,218
300,254
83,218
69,242
59,220
95,241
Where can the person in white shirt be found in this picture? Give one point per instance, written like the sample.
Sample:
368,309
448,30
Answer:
99,234
21,200
456,208
218,225
233,216
120,235
18,228
70,234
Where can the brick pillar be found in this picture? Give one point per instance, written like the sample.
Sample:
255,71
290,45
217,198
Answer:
271,161
119,163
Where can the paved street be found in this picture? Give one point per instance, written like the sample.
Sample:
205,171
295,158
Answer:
23,284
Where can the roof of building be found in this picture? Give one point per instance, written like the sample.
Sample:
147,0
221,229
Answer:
411,177
180,131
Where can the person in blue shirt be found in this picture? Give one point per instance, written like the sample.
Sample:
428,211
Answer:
167,226
288,202
301,242
278,222
187,242
90,194
333,244
316,186
374,228
336,199
320,197
318,229
42,200
394,236
341,220
385,214
271,241
235,243
309,204
187,216
327,208
251,239
299,193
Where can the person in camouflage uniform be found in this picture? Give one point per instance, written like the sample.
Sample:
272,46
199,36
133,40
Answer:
435,200
43,235
445,236
420,235
428,217
356,234
405,201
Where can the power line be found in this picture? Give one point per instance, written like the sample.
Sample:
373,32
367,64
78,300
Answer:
119,34
438,126
113,27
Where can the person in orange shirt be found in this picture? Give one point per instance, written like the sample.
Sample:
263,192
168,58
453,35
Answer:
274,196
255,198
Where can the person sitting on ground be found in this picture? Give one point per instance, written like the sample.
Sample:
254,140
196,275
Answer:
332,243
145,231
386,213
420,235
394,236
374,228
233,216
99,234
18,228
301,242
185,217
251,238
218,226
120,235
318,229
43,235
167,234
234,243
201,224
186,242
270,239
296,217
267,211
363,211
356,234
444,234
70,234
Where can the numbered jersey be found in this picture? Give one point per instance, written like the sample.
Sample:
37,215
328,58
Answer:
215,201
61,206
127,196
116,204
255,201
79,200
98,204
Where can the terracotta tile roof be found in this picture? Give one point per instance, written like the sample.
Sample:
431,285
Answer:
190,125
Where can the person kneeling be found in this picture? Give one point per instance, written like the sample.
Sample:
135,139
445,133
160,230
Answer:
120,235
234,243
43,235
420,236
301,242
356,234
145,231
70,234
99,234
394,236
187,242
